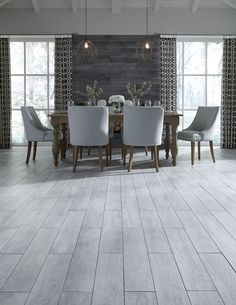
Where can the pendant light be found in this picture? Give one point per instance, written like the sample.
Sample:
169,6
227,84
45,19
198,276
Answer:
144,48
87,49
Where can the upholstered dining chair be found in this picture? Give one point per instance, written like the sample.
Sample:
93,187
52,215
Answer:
142,127
201,129
88,127
34,130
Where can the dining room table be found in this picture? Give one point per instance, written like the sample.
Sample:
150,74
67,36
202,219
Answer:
59,122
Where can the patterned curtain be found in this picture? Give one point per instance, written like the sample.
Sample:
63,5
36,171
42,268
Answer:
5,94
228,117
168,73
63,72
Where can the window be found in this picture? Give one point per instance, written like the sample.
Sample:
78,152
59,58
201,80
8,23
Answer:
199,73
32,81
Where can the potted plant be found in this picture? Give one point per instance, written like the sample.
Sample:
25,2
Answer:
92,92
137,91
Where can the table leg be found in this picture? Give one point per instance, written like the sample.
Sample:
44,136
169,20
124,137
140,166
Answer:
56,144
167,141
63,141
174,146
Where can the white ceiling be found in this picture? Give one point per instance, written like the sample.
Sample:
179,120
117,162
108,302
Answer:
116,6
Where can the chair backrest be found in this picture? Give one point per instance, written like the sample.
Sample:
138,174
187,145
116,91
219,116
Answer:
88,125
143,126
205,118
34,130
101,103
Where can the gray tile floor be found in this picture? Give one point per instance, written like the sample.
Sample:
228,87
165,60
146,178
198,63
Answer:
114,238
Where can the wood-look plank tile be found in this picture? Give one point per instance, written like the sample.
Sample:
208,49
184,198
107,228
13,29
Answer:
108,288
69,232
154,234
7,264
111,239
4,215
23,237
205,298
13,298
5,235
58,214
140,298
228,221
75,298
81,202
137,272
49,284
191,268
83,265
222,275
130,212
198,236
168,283
113,197
26,271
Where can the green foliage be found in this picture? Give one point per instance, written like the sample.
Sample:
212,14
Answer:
137,91
92,92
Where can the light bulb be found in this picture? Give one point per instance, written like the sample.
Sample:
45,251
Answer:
86,45
147,45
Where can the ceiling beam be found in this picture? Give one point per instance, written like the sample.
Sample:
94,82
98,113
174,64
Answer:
157,6
3,2
74,5
230,3
116,6
195,5
36,7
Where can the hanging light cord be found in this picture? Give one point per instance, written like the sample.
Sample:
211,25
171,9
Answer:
86,18
147,19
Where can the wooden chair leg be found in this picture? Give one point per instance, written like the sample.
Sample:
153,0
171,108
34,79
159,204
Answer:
146,150
124,154
34,151
152,155
158,156
199,150
110,148
100,157
130,158
75,157
81,152
28,152
155,158
89,151
107,155
212,151
192,152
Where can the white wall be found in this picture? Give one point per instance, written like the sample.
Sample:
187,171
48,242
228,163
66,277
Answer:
130,21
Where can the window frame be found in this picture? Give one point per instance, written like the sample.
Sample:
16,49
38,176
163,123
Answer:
48,75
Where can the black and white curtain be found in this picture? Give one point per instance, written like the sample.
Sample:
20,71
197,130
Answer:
63,72
168,73
228,117
5,94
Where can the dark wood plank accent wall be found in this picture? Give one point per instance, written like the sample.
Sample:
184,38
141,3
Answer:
115,66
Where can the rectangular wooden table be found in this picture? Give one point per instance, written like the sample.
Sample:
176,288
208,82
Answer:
59,121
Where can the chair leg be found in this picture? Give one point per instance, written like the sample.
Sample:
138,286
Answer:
81,152
199,150
34,151
192,152
75,157
107,155
155,158
152,155
158,156
28,152
89,151
212,151
146,150
100,157
110,148
130,158
124,154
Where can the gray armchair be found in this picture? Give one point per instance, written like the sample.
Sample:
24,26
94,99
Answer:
201,129
34,130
